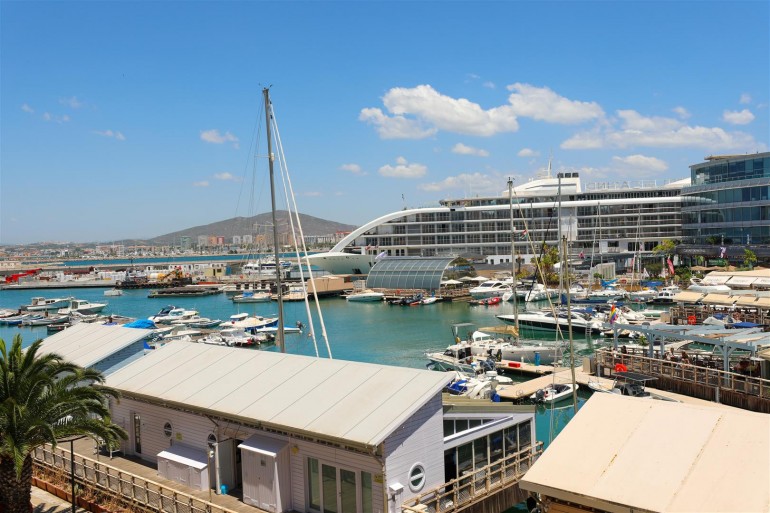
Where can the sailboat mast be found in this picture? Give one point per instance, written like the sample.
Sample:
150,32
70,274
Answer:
279,335
513,261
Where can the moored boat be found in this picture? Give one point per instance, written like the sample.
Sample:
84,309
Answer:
553,393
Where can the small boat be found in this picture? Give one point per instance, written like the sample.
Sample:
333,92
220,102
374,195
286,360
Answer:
174,315
490,301
40,304
113,292
243,320
44,321
83,307
252,297
553,393
365,296
490,288
429,300
204,323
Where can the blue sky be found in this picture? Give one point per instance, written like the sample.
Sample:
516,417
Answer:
134,119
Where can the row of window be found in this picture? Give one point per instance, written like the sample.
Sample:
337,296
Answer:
728,171
735,195
466,458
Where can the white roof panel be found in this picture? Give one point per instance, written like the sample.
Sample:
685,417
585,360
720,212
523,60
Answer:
719,299
86,344
631,466
263,445
741,280
195,458
351,401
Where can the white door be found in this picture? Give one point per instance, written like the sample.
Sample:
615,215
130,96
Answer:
265,472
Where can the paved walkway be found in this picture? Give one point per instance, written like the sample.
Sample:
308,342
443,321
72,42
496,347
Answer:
44,502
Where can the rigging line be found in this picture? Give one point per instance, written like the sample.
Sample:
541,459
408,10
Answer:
282,164
255,138
560,335
290,188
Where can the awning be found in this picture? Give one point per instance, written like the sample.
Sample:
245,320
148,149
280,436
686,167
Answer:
764,302
744,281
764,282
710,279
688,297
719,299
263,445
188,456
747,301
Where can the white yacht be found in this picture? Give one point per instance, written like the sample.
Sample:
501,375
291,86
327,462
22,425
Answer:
490,288
547,319
698,285
39,304
82,306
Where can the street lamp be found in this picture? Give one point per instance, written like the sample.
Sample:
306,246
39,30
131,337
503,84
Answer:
72,469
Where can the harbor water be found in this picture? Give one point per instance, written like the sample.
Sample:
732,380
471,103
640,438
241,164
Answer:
366,332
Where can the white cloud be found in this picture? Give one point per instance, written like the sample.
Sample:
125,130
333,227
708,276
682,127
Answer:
489,85
526,152
659,132
114,134
745,99
202,183
462,149
681,112
213,136
227,177
352,168
71,102
312,194
403,169
431,112
47,116
470,183
639,163
396,127
542,104
743,117
26,108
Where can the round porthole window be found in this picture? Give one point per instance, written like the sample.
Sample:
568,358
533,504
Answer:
416,477
167,429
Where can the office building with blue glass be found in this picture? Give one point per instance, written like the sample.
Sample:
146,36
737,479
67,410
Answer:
728,202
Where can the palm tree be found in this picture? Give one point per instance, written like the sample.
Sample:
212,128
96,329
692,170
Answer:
42,399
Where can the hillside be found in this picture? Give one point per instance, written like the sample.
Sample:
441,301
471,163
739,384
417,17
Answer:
255,224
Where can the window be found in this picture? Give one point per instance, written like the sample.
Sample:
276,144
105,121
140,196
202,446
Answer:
167,429
416,477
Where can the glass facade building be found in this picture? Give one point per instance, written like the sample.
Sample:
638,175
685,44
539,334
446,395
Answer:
728,201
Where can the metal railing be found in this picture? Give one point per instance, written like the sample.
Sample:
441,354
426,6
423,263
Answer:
686,372
127,487
475,485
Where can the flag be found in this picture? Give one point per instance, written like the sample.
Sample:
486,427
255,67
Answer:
670,267
722,252
582,255
613,314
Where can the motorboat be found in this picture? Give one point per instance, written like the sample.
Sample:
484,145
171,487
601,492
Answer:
515,351
82,306
479,386
173,315
39,304
490,288
626,383
245,321
665,296
553,393
178,333
237,337
429,300
41,320
365,296
642,295
606,295
698,285
560,318
113,292
252,297
489,301
204,323
535,292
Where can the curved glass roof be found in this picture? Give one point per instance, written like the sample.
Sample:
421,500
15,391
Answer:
408,273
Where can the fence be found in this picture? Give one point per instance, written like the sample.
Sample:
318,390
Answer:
475,486
704,382
129,488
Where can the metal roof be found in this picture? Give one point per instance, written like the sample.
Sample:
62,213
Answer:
718,459
345,401
408,273
86,344
687,296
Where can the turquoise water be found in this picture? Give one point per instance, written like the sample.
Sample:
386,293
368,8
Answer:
366,332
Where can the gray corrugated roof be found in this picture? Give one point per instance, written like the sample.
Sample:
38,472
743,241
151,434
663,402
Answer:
87,344
350,401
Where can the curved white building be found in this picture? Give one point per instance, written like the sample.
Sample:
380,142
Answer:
619,218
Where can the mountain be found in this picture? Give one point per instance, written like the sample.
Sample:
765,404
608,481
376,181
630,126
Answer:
261,223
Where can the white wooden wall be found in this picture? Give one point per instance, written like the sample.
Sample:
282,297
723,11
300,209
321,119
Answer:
419,440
